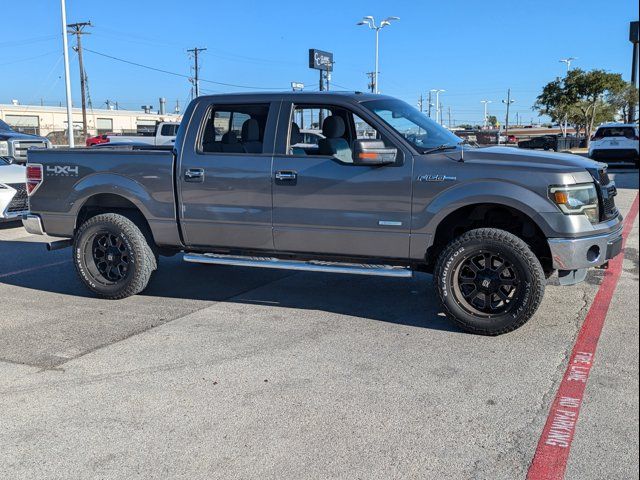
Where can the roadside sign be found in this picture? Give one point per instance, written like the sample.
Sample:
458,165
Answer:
320,60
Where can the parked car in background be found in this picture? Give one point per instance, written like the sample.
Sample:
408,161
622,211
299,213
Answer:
14,145
615,141
543,142
489,223
13,192
164,134
97,140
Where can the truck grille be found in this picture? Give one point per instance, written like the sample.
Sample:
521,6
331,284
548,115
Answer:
603,177
609,209
20,148
606,193
20,201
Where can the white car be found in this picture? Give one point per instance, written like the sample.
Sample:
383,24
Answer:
13,192
615,141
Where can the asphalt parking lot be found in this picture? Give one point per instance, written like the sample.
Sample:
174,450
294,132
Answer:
231,373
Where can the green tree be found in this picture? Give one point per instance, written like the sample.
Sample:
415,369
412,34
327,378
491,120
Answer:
492,120
584,98
624,100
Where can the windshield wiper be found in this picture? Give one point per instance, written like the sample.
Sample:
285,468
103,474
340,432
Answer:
440,148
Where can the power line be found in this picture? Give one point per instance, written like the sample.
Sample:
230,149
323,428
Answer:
181,75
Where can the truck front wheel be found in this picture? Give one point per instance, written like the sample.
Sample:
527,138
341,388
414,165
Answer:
112,256
489,281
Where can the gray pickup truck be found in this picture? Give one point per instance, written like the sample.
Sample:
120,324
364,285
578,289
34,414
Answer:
386,191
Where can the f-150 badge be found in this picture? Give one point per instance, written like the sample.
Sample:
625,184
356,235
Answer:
436,178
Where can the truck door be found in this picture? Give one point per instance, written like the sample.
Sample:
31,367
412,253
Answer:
322,202
224,183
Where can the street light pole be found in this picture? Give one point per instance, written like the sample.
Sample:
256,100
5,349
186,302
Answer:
486,103
371,23
67,78
567,62
438,91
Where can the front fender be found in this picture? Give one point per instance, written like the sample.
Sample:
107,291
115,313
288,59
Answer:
425,220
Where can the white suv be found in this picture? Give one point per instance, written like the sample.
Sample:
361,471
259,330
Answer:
13,191
615,141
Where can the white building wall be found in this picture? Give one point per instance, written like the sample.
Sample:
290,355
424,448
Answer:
54,119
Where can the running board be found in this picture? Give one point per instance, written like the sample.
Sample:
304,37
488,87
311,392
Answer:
309,266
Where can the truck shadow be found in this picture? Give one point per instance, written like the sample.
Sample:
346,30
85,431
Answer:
409,302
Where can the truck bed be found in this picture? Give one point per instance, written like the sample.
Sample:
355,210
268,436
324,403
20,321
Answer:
123,177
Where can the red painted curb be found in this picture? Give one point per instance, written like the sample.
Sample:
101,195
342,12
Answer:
552,453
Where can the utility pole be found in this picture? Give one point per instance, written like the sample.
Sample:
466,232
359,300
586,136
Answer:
372,81
429,105
449,117
196,69
508,102
77,29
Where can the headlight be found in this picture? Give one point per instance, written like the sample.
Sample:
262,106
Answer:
4,149
581,199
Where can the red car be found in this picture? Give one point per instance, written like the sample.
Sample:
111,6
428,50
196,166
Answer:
97,140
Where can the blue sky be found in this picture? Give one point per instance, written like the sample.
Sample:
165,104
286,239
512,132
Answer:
474,50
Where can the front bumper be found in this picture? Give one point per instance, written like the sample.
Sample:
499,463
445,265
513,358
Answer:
33,224
585,252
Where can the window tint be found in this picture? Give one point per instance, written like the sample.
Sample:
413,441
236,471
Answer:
169,130
328,131
234,129
627,132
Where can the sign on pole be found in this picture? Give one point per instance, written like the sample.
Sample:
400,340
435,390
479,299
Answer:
320,60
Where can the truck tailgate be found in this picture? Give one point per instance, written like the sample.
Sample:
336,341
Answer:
82,177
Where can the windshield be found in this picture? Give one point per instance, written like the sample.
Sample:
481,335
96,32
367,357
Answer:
4,127
419,130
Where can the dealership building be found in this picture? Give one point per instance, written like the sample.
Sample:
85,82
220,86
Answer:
51,122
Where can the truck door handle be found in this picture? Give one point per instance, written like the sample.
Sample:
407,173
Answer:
194,175
288,176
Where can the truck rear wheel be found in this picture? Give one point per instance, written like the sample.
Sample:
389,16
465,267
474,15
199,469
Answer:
112,256
489,281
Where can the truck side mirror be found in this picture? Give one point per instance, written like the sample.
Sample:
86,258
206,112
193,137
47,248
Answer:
373,152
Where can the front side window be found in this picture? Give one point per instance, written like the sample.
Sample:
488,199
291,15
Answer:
327,130
234,129
418,129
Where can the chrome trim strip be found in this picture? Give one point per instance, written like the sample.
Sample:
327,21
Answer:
586,239
310,266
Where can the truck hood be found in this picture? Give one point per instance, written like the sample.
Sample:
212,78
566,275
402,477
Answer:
13,174
510,156
6,135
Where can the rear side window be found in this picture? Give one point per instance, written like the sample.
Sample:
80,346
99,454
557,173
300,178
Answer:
169,130
627,132
234,129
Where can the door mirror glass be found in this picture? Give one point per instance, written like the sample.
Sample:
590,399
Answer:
373,152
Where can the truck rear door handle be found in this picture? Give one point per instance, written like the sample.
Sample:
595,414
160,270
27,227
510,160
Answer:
195,175
288,176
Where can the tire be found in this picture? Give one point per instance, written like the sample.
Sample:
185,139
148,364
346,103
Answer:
514,281
113,257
